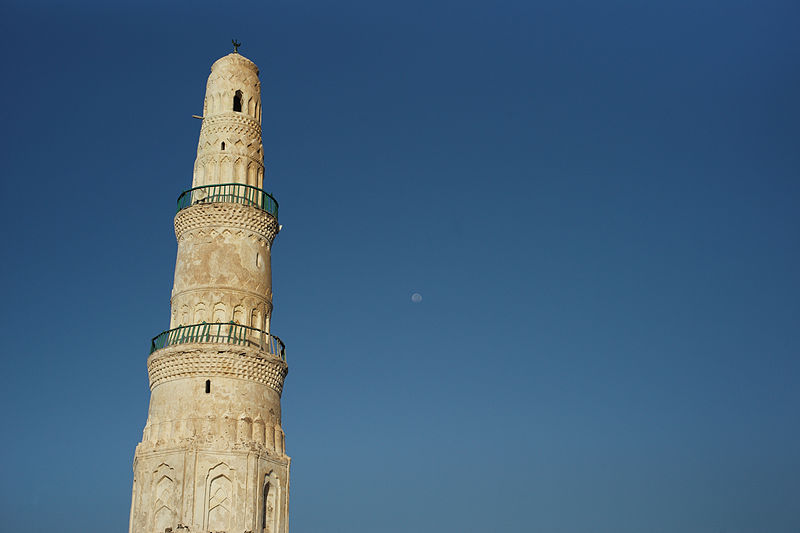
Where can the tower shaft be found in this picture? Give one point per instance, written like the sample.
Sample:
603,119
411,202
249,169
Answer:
212,456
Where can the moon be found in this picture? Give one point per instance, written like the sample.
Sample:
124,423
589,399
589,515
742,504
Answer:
416,297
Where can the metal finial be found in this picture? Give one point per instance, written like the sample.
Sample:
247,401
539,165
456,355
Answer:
236,45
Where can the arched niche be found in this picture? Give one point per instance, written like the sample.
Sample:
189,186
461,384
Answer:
164,505
219,312
219,498
269,504
199,313
238,314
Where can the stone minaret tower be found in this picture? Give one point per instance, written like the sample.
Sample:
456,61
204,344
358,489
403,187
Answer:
212,455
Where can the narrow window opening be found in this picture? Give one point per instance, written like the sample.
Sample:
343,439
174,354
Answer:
237,101
208,386
258,260
223,146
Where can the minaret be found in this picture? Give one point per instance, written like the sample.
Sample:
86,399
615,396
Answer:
212,455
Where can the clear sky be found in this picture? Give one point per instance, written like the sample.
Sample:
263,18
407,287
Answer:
597,202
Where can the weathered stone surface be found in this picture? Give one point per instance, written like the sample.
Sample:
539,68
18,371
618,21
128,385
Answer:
230,149
212,456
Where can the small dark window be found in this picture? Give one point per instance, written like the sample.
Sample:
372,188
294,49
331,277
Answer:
223,146
208,386
237,101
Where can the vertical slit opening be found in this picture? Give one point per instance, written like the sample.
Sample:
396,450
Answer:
208,386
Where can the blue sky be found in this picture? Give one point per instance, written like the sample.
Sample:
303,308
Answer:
597,202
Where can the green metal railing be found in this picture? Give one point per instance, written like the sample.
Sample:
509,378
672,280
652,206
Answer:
232,193
222,333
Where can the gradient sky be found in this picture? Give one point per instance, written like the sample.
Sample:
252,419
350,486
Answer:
597,201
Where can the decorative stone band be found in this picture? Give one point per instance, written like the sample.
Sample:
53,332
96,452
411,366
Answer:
236,304
204,434
246,156
214,444
224,215
231,123
202,360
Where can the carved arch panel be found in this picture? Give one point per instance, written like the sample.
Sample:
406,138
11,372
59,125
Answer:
240,173
219,312
270,504
219,498
238,314
250,173
199,313
164,503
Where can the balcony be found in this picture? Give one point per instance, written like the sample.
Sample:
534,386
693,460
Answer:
232,193
220,333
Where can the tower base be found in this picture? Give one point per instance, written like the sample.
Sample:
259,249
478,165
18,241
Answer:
209,490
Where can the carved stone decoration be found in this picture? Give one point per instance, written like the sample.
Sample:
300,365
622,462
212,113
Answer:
219,498
207,217
244,429
164,515
231,116
258,430
180,362
270,508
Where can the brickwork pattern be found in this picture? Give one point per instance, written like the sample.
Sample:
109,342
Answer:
231,124
243,363
219,215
